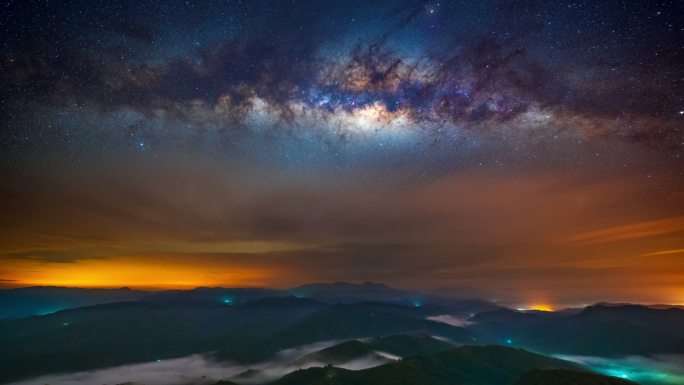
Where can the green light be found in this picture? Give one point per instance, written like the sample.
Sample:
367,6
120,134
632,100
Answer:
638,372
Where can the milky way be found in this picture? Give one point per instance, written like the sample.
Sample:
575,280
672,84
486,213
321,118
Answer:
211,123
441,75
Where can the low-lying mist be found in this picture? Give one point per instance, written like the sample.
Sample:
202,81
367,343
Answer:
451,320
654,370
203,369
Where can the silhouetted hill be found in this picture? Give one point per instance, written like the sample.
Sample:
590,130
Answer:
509,315
110,335
410,345
597,330
365,320
568,377
615,338
248,326
668,320
267,314
248,375
397,345
321,376
23,302
502,325
129,332
39,300
286,301
659,306
347,293
341,353
233,296
472,365
599,337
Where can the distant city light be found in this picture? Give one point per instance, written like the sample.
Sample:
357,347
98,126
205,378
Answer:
536,307
509,341
228,301
638,371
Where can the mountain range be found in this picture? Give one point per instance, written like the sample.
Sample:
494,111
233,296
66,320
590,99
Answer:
373,334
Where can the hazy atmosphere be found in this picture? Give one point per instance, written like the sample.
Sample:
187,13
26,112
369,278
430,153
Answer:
464,192
518,149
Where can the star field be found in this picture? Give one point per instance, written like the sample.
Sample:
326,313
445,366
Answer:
91,77
280,121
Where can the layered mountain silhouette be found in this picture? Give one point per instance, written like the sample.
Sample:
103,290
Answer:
129,332
386,349
474,365
39,300
602,330
23,302
387,335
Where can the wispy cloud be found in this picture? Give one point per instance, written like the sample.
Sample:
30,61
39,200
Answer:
631,231
203,369
450,320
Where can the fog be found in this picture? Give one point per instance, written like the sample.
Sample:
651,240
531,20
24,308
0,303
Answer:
654,370
451,320
203,369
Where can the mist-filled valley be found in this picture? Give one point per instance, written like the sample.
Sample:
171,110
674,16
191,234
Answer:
341,192
323,333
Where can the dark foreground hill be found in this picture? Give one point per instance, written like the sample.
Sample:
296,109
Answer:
401,346
597,330
130,332
366,319
472,365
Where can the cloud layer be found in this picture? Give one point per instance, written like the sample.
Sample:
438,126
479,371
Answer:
200,369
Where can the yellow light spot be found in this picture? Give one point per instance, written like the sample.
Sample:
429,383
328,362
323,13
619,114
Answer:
541,307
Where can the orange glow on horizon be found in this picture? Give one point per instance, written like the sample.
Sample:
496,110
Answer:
542,307
134,273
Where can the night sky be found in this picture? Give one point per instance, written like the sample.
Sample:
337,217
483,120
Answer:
524,151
